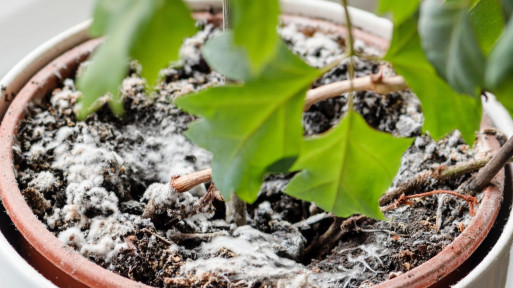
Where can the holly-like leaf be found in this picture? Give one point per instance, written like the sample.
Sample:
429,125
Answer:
226,58
499,69
450,43
347,169
254,25
252,129
401,9
444,110
150,31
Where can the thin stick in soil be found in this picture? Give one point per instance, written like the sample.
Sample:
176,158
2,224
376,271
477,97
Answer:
179,237
404,200
440,175
158,237
493,167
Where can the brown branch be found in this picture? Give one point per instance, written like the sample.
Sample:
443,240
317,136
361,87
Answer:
377,83
337,230
158,236
404,200
189,181
442,174
178,236
501,157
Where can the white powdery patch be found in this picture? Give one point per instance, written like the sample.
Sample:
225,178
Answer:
63,99
86,161
43,182
87,197
163,198
254,258
73,237
318,50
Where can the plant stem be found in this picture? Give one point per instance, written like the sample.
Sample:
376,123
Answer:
189,181
403,200
350,54
236,206
442,174
493,167
375,82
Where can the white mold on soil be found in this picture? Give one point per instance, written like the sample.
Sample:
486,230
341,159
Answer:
102,175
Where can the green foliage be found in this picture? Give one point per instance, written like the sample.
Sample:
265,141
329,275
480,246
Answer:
487,22
252,129
401,9
145,30
451,46
499,77
347,169
254,27
408,59
226,58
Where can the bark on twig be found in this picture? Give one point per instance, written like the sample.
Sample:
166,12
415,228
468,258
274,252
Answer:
493,167
404,200
189,181
442,174
376,82
236,207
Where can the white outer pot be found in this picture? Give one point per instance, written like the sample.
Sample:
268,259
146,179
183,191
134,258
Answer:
491,272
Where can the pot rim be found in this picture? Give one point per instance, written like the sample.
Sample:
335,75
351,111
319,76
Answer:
80,266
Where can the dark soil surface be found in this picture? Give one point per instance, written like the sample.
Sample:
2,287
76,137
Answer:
91,183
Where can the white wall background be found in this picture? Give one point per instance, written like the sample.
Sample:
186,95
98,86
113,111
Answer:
25,24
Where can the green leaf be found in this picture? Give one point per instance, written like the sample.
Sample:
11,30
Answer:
487,22
251,129
226,58
347,169
450,44
110,62
151,31
444,110
254,26
158,44
401,9
499,69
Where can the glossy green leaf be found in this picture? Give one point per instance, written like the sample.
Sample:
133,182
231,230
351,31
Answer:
251,129
254,25
444,110
151,31
401,9
487,22
347,169
158,44
450,44
499,69
226,58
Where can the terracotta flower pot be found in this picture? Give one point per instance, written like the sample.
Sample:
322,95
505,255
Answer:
66,268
